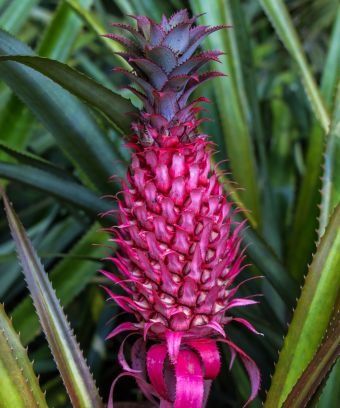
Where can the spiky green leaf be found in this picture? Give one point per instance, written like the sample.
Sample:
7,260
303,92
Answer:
318,368
312,314
19,386
69,277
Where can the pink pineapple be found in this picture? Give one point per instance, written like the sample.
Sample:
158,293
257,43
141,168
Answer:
179,249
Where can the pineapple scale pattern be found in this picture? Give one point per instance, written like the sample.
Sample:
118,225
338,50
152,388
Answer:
179,250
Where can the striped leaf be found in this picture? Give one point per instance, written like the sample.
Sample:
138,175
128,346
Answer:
19,386
70,361
312,315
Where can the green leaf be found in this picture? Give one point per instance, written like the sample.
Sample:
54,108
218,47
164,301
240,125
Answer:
236,133
69,277
19,384
282,22
71,364
16,122
147,8
97,27
33,160
305,221
115,107
16,14
38,232
62,114
330,395
245,77
60,35
330,75
306,213
330,196
318,368
312,314
269,264
59,187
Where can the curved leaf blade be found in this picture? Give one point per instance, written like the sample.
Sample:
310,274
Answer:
312,314
318,368
68,120
330,394
60,35
307,212
330,75
114,106
33,160
236,133
61,188
16,14
70,361
19,386
69,277
281,21
16,122
97,27
330,196
269,264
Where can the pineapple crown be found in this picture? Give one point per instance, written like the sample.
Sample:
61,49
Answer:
165,69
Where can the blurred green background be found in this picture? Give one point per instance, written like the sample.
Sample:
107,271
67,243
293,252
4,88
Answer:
270,117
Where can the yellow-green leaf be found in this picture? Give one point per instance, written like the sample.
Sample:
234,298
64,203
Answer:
312,315
19,386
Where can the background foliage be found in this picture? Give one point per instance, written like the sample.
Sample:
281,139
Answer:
276,118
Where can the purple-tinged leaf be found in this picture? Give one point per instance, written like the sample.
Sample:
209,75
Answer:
179,17
193,84
312,314
70,361
250,366
138,358
143,24
196,62
319,367
155,74
156,33
178,38
166,103
197,35
162,56
177,83
123,327
144,85
125,42
138,36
